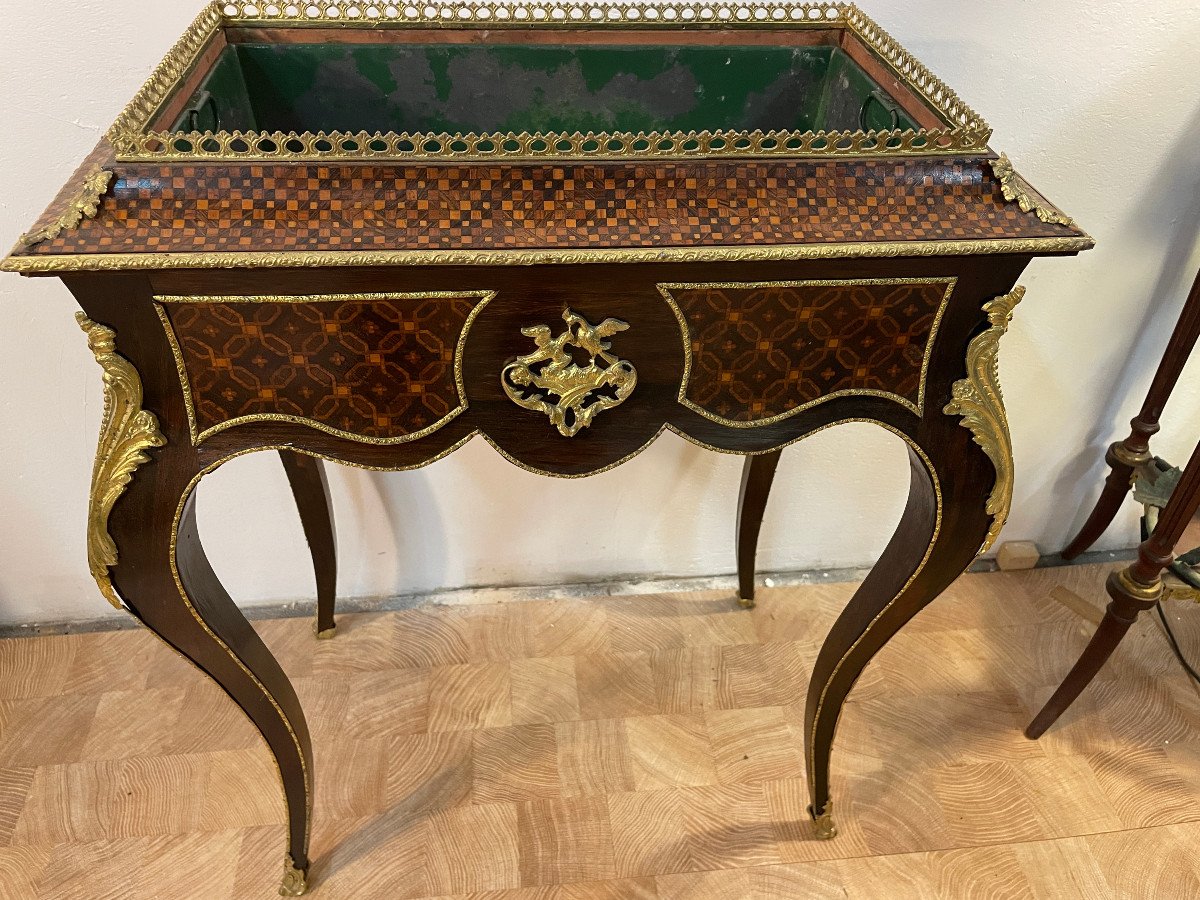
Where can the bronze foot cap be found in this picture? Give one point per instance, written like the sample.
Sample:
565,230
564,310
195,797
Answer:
295,881
326,634
746,602
823,823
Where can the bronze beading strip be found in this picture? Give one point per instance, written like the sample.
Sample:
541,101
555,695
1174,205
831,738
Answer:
535,13
189,402
109,262
918,408
129,135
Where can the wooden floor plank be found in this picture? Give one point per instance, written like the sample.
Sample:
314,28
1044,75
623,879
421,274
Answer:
623,748
36,667
544,690
1149,862
516,763
14,790
565,841
470,696
752,745
615,685
668,751
21,870
43,730
594,757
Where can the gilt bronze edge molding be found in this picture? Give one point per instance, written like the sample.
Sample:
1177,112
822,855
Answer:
126,432
918,408
133,141
980,402
198,435
85,204
108,262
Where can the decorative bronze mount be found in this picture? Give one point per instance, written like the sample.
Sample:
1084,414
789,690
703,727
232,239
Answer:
126,432
1014,187
550,381
977,398
823,824
83,205
295,881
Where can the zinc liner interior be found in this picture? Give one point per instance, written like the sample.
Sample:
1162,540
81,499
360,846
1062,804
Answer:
514,86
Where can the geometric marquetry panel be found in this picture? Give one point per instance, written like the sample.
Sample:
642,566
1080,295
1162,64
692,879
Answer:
560,205
759,352
380,368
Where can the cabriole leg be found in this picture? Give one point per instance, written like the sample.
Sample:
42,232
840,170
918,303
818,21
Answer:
959,498
186,605
146,556
926,554
310,488
758,472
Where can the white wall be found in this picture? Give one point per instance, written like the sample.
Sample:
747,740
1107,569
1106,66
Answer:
1098,103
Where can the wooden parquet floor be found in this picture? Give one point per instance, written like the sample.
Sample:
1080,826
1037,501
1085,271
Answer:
616,749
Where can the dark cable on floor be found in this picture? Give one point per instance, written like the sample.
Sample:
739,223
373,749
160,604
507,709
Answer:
1187,667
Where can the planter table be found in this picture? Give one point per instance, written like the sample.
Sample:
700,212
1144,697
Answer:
367,233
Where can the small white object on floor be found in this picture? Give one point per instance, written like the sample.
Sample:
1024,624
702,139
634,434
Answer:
1015,555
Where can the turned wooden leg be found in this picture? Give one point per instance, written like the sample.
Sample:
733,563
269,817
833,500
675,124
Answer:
306,474
1129,599
934,543
1125,456
1122,462
1133,590
757,474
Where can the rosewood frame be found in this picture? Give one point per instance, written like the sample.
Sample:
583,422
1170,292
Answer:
164,577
